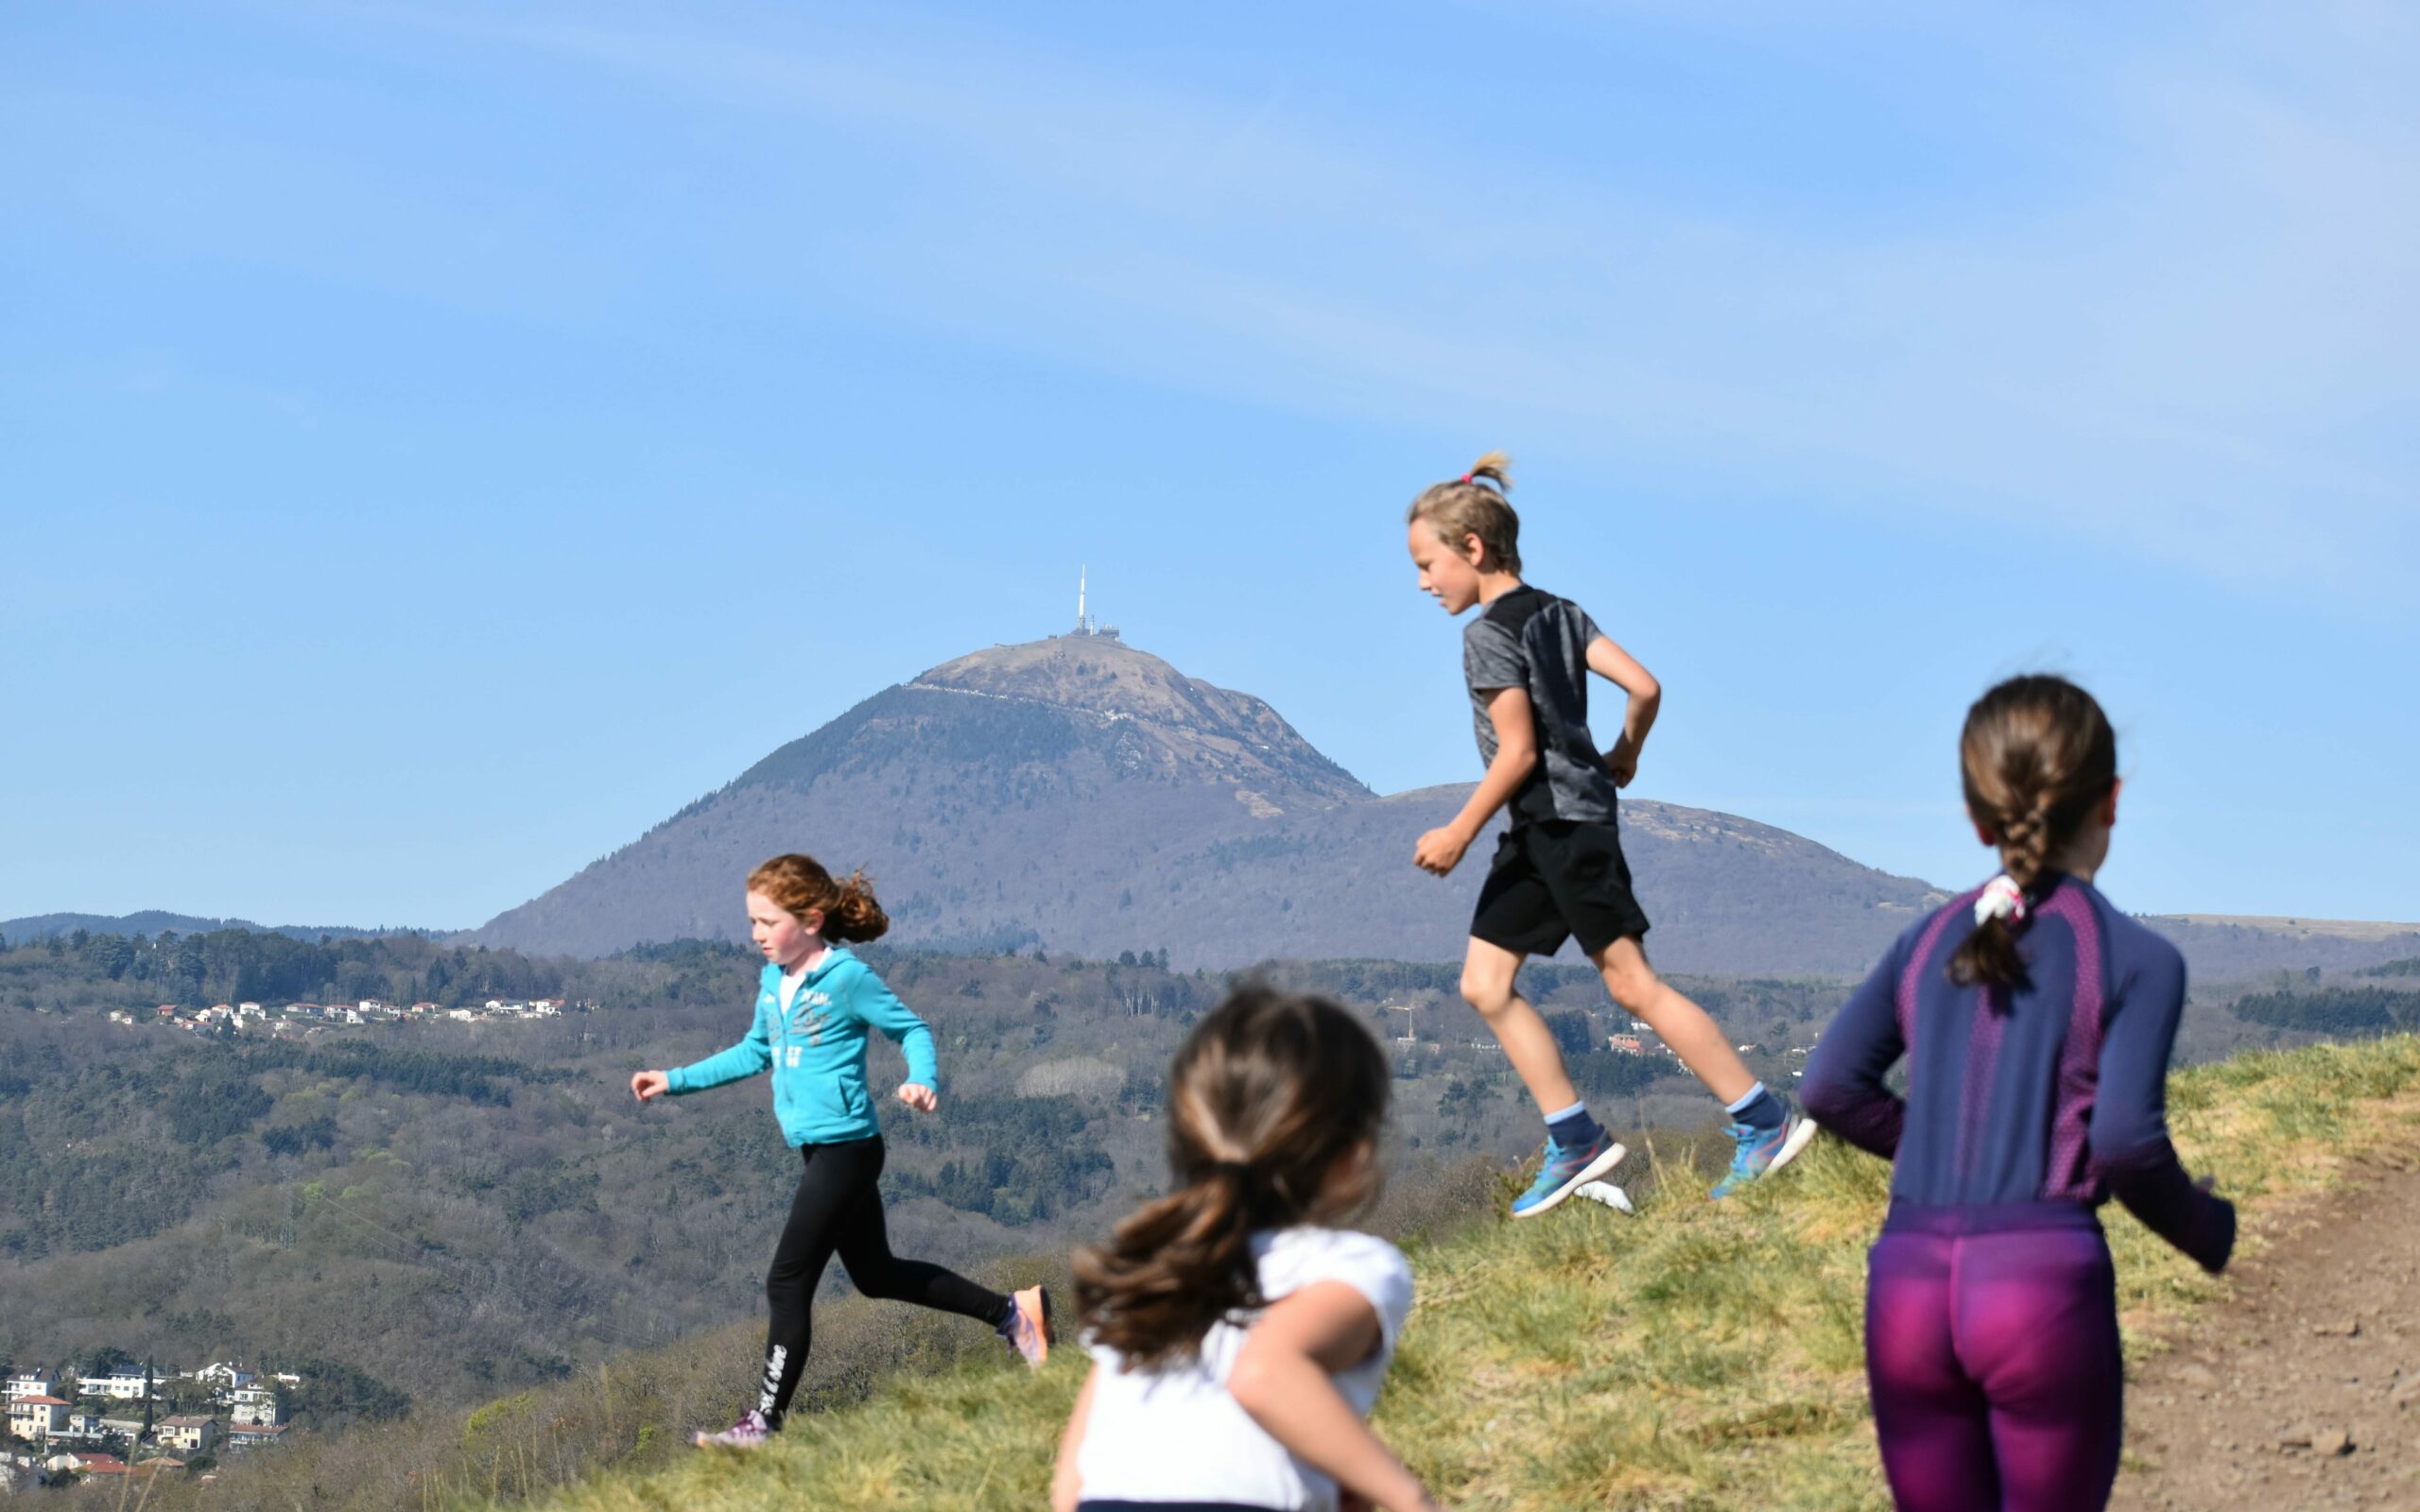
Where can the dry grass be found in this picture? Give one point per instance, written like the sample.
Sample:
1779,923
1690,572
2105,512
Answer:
1695,1356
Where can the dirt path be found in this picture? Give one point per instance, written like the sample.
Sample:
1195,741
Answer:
2299,1388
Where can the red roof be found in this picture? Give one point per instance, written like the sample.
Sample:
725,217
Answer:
41,1401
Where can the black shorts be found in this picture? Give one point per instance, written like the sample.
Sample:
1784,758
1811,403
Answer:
1554,879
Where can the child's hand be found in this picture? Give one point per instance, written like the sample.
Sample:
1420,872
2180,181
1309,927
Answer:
1622,761
1440,849
646,1085
918,1097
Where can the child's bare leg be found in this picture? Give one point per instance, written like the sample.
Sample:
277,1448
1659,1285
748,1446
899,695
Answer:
1679,1022
1487,973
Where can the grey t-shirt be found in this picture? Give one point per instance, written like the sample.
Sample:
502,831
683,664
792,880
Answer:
1530,639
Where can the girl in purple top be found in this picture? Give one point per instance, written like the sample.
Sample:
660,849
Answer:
2037,1022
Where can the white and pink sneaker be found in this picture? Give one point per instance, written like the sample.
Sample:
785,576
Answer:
1027,1327
749,1432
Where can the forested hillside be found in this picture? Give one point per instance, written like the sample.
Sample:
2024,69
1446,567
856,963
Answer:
456,1209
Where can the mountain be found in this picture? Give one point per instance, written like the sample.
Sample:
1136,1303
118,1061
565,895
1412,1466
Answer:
152,921
1083,795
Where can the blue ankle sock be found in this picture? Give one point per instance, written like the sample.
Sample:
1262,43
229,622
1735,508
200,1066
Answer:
1572,1128
1760,1109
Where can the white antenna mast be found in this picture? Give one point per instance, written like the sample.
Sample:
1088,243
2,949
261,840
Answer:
1080,597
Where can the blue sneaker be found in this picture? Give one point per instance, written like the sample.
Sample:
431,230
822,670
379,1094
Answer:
1565,1172
1758,1153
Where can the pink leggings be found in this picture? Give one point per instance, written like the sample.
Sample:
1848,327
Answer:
1997,1383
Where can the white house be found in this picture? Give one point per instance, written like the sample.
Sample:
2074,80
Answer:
226,1376
82,1425
249,1010
121,1385
258,1406
37,1417
32,1383
244,1435
190,1434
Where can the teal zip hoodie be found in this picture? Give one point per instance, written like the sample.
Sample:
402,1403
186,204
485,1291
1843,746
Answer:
817,1050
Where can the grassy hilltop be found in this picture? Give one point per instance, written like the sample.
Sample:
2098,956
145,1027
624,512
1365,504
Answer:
1695,1356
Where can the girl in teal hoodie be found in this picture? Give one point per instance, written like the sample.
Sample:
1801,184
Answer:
814,1003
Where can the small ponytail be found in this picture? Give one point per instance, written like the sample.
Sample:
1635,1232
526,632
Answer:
797,884
1171,1269
1274,1106
2037,754
1492,467
1474,504
855,915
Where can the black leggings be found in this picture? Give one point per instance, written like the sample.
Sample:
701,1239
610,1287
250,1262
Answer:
837,1209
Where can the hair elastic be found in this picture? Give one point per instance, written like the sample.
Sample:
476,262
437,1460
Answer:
1467,476
2001,899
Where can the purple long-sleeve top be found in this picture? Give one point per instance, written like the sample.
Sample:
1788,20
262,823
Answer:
2028,1104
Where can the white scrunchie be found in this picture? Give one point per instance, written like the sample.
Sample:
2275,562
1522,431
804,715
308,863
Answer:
2002,899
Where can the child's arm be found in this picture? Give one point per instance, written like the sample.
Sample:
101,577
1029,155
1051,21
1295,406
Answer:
1066,1486
871,999
1282,1378
2129,1135
1619,667
755,1053
1516,755
1843,1087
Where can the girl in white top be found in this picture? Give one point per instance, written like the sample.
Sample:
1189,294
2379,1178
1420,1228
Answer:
1238,1341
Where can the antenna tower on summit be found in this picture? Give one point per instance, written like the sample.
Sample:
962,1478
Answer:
1085,623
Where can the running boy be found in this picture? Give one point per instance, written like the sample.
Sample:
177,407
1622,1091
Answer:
1559,871
2036,1022
814,1003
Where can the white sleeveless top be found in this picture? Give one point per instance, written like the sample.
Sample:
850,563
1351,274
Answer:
1174,1434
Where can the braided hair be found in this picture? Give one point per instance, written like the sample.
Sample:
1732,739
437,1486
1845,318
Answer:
2037,755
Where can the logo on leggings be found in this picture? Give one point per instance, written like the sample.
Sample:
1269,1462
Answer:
773,1364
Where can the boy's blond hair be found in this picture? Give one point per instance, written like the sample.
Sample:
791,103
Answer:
1474,504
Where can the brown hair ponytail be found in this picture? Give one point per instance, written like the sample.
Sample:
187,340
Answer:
2037,754
799,882
1474,504
1272,1100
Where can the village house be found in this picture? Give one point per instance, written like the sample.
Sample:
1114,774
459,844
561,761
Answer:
245,1435
81,1424
257,1406
37,1417
223,1378
248,1010
32,1383
129,1428
102,1464
1626,1044
191,1436
120,1385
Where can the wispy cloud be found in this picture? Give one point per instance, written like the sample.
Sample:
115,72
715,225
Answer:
2195,347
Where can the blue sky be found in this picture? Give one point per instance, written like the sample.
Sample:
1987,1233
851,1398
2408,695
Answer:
438,442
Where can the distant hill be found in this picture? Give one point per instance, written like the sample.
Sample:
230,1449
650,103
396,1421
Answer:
1081,795
151,921
2219,945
